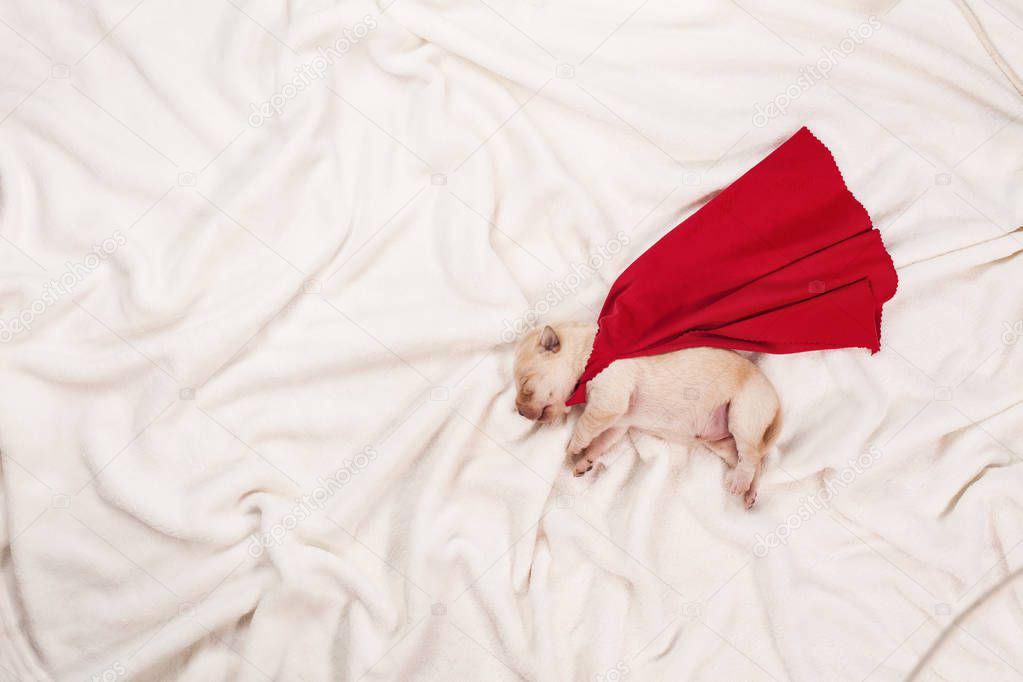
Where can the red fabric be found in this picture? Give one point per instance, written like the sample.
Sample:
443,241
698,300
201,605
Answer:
784,260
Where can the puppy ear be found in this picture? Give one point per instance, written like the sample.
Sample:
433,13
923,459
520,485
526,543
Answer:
549,340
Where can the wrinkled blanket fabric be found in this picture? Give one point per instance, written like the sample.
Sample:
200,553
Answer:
263,266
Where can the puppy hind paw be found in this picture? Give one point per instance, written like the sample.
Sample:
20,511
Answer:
738,481
582,466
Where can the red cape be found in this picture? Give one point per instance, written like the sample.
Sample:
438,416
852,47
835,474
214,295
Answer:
784,260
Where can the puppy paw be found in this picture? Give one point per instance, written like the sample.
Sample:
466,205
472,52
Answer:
575,448
750,498
738,481
582,466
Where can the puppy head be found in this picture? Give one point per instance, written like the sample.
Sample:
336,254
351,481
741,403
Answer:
544,376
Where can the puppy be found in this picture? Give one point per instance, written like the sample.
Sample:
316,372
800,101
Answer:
709,396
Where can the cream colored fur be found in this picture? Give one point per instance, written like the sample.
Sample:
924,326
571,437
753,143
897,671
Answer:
697,395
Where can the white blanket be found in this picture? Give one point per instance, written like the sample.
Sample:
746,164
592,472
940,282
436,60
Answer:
263,264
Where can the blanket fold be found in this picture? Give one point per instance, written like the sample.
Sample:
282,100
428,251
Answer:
784,260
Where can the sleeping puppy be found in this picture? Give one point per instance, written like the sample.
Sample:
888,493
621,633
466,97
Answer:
696,395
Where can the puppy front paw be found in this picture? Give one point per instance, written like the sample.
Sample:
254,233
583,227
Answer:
575,448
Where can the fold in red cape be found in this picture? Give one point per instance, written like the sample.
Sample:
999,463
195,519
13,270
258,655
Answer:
782,261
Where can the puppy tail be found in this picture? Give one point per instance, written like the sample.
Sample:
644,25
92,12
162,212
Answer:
772,432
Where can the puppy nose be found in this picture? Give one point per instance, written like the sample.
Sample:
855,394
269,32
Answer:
521,413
